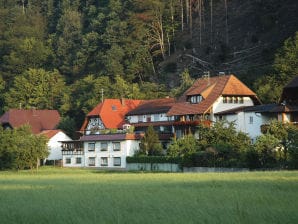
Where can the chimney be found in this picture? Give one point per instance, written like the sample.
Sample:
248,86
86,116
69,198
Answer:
123,101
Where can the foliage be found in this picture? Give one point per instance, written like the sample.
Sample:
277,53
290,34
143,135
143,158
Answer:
223,133
183,146
266,145
36,88
269,88
150,144
20,149
153,159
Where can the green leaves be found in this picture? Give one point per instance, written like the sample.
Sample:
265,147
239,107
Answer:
36,88
20,149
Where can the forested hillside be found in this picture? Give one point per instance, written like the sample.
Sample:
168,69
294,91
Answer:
70,54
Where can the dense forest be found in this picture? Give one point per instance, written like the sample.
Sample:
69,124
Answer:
70,54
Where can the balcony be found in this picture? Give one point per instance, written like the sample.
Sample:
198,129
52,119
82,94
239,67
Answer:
193,123
72,148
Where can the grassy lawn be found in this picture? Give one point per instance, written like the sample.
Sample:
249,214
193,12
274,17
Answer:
56,195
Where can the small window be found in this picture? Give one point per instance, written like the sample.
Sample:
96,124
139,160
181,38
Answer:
140,118
104,161
78,160
224,99
116,146
91,161
251,120
235,99
91,147
230,99
103,146
114,108
156,117
68,161
117,161
240,100
148,119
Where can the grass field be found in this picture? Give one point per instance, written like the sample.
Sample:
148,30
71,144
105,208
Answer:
56,195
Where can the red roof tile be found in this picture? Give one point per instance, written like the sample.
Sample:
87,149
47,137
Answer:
211,89
39,120
112,112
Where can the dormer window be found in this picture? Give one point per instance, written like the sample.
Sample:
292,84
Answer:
196,99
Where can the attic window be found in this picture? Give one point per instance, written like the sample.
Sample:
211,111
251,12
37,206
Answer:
196,99
114,108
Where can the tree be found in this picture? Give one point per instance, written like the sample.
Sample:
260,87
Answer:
269,88
185,82
20,149
183,147
150,144
266,145
36,88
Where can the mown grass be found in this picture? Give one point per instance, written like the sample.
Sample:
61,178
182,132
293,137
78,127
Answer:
55,195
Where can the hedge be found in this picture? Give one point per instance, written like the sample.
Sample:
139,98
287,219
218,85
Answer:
153,159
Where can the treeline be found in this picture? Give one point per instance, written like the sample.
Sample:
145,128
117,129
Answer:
69,55
223,146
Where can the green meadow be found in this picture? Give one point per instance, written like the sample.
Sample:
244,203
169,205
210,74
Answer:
58,195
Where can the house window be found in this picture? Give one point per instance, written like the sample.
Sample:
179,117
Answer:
91,147
116,146
117,161
148,119
251,120
235,99
196,99
230,99
140,118
104,161
103,146
224,99
240,100
68,161
78,160
91,161
156,117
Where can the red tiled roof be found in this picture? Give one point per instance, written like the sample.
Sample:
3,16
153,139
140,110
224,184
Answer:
153,106
211,89
39,120
112,112
50,133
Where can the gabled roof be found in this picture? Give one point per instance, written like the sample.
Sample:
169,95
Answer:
211,89
111,112
39,120
155,106
50,133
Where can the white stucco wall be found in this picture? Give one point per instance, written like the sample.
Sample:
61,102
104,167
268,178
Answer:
128,148
152,117
219,106
248,122
54,145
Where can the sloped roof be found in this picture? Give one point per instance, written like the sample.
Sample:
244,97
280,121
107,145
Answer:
112,112
155,106
211,89
50,133
39,120
111,137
